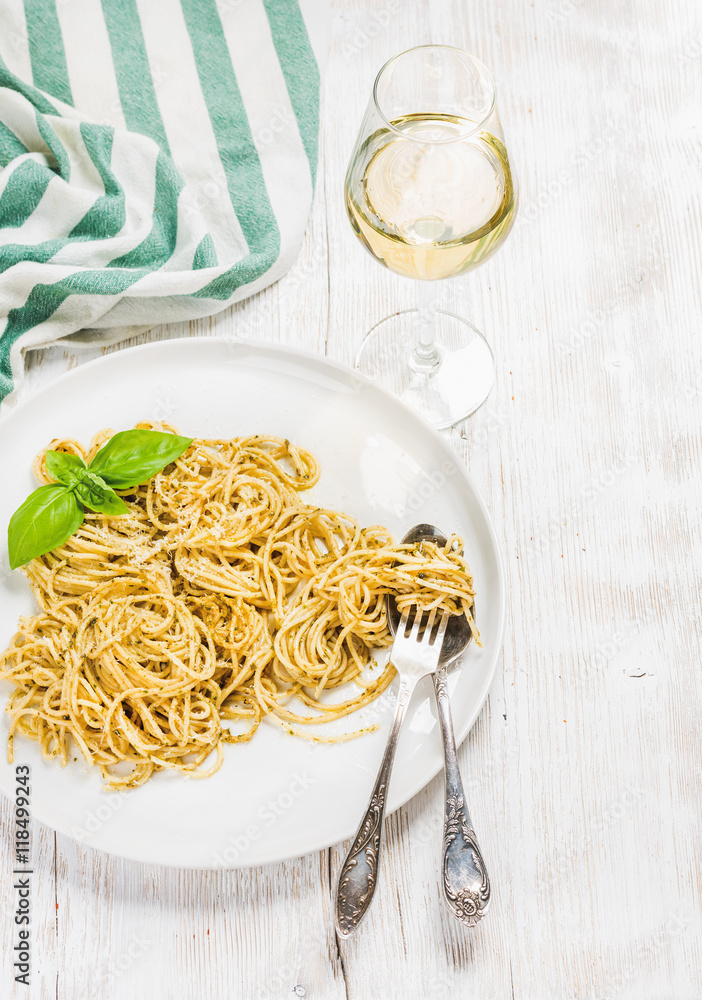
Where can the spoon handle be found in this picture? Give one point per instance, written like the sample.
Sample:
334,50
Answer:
463,874
359,872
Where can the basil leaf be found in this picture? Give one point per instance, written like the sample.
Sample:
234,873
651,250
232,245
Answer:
94,492
64,467
46,519
131,457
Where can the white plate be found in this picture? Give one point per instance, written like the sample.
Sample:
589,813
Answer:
278,796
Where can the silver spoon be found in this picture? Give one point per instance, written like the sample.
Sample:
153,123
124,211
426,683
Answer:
463,874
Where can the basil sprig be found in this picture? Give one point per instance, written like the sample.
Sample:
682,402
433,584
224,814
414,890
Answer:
51,514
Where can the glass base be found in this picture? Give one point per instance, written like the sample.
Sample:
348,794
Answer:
444,392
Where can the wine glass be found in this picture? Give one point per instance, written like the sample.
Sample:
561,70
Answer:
431,194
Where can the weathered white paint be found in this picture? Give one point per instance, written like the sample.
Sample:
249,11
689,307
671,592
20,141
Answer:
583,770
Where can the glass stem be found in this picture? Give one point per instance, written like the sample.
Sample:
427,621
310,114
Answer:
425,356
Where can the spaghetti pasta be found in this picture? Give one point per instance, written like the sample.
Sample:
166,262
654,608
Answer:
221,595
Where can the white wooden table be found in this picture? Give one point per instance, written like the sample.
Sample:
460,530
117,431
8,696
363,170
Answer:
583,770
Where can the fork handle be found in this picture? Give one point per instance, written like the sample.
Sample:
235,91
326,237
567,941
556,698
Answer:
463,874
359,872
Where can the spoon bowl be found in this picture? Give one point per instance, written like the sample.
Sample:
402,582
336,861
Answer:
458,631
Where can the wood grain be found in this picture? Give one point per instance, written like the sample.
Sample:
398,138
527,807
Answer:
583,771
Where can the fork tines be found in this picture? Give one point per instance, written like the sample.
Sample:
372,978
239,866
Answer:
420,626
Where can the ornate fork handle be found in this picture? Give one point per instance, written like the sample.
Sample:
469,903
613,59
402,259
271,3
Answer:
463,873
359,873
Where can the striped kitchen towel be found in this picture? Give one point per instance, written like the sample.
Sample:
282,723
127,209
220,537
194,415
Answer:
157,161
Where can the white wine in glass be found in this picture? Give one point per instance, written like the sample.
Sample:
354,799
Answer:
431,194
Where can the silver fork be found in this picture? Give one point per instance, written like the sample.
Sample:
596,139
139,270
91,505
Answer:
413,658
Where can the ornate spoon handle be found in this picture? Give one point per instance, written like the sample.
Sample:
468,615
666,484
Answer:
359,872
463,873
